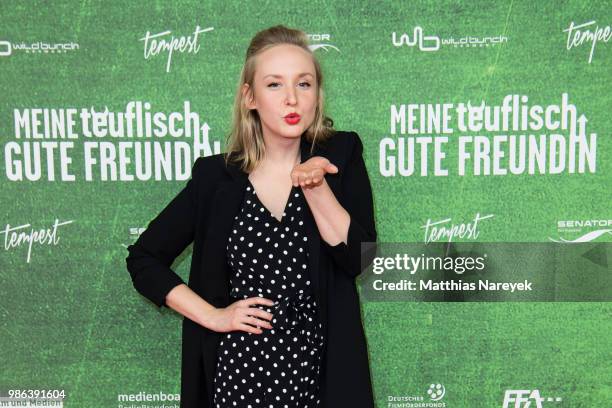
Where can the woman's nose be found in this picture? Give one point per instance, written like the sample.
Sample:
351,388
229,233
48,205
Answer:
290,97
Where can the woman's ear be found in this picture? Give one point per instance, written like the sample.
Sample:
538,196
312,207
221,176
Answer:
247,95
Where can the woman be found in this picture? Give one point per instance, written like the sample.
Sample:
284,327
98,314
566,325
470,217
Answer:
271,310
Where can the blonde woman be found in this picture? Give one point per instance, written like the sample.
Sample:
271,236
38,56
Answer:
271,310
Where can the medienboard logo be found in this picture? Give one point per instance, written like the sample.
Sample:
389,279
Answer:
8,48
434,42
526,399
321,42
587,229
143,396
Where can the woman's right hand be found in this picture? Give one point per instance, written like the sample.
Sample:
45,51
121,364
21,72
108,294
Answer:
241,316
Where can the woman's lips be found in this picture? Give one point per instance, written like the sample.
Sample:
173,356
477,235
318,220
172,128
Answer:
292,119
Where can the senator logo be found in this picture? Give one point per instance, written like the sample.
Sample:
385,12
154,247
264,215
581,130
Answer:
134,233
321,42
526,399
586,230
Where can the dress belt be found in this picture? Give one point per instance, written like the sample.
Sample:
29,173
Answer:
296,312
299,313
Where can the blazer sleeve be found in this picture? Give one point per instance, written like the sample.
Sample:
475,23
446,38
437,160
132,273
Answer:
165,238
357,201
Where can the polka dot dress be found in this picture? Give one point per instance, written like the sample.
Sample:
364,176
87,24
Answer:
269,258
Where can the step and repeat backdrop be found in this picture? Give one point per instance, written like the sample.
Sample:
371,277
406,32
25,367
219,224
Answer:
486,129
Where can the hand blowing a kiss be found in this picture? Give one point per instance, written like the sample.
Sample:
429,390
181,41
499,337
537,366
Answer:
311,173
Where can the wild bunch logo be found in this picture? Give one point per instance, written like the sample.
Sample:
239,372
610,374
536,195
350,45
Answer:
434,42
8,48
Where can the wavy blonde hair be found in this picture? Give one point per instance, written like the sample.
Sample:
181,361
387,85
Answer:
245,143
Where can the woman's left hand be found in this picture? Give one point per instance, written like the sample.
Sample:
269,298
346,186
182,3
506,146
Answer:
310,173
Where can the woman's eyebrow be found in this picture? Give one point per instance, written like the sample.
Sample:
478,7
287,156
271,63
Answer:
280,76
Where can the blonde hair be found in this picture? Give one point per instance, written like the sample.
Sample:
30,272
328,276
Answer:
245,143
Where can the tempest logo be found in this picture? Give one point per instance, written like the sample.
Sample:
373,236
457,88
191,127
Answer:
155,44
445,229
524,398
26,235
578,35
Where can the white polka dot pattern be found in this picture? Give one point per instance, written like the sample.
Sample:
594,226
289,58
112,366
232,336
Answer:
269,258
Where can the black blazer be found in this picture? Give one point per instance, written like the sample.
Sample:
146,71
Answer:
203,213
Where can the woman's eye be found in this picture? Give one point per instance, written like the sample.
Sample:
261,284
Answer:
303,84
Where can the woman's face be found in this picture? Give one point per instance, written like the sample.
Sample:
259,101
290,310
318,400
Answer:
284,83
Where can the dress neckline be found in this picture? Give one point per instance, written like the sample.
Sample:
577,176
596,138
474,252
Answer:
287,201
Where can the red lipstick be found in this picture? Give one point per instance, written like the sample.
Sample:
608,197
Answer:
292,118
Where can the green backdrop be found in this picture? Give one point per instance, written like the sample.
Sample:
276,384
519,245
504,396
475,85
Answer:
69,316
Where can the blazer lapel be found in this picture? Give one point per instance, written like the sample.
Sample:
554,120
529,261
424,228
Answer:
312,233
318,270
225,205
